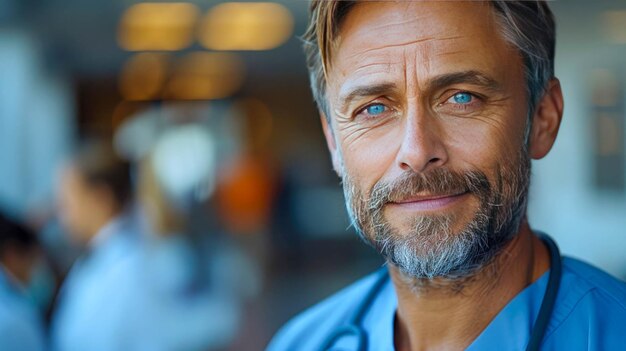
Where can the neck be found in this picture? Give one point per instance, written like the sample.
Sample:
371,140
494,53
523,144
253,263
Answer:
100,220
15,274
423,319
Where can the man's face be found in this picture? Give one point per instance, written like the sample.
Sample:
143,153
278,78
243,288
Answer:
77,203
429,112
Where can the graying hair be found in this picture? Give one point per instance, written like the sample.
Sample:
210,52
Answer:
527,25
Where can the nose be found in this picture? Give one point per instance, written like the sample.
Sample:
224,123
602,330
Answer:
422,146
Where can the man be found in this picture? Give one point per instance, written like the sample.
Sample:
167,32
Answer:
21,326
432,112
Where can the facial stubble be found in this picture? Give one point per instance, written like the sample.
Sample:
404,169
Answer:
432,248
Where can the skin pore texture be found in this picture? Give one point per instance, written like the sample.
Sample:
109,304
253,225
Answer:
417,90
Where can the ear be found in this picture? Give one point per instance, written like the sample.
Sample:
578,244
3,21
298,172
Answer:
332,144
546,120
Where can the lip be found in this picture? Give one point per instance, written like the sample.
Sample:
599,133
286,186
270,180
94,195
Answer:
429,202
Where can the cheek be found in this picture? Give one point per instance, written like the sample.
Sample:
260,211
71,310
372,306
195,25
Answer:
73,211
481,142
69,203
369,157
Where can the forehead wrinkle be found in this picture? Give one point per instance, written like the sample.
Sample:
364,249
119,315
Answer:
448,53
411,79
370,69
396,22
385,67
403,45
393,26
399,21
431,55
396,60
409,56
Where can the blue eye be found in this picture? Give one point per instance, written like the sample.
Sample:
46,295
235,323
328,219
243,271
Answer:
462,98
375,109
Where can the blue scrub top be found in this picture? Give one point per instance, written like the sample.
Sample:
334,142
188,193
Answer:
88,312
590,314
136,293
21,327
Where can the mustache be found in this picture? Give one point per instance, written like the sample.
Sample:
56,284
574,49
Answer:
438,182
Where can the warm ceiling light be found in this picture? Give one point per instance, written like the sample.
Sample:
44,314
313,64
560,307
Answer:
615,26
143,76
158,26
205,76
246,26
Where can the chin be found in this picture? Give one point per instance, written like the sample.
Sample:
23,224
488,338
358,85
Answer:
432,227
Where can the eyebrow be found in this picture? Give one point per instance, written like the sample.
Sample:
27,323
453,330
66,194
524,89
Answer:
365,91
466,77
439,82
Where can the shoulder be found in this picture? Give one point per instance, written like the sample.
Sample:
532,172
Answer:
597,282
591,310
308,329
20,329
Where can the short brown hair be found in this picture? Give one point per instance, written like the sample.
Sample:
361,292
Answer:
527,25
97,161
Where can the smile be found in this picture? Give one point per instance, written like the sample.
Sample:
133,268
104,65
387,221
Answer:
429,202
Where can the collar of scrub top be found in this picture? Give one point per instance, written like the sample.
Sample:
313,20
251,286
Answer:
354,326
115,225
10,282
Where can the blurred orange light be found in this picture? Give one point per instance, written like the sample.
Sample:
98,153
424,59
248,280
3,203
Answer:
246,26
206,76
143,76
158,26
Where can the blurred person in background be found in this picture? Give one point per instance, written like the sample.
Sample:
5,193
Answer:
21,324
432,112
195,281
95,206
150,278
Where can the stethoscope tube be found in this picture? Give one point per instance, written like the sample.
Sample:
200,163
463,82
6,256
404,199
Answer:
549,298
354,324
354,328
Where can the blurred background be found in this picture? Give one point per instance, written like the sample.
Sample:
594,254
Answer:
173,151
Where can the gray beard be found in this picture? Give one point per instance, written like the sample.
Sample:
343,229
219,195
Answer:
431,248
